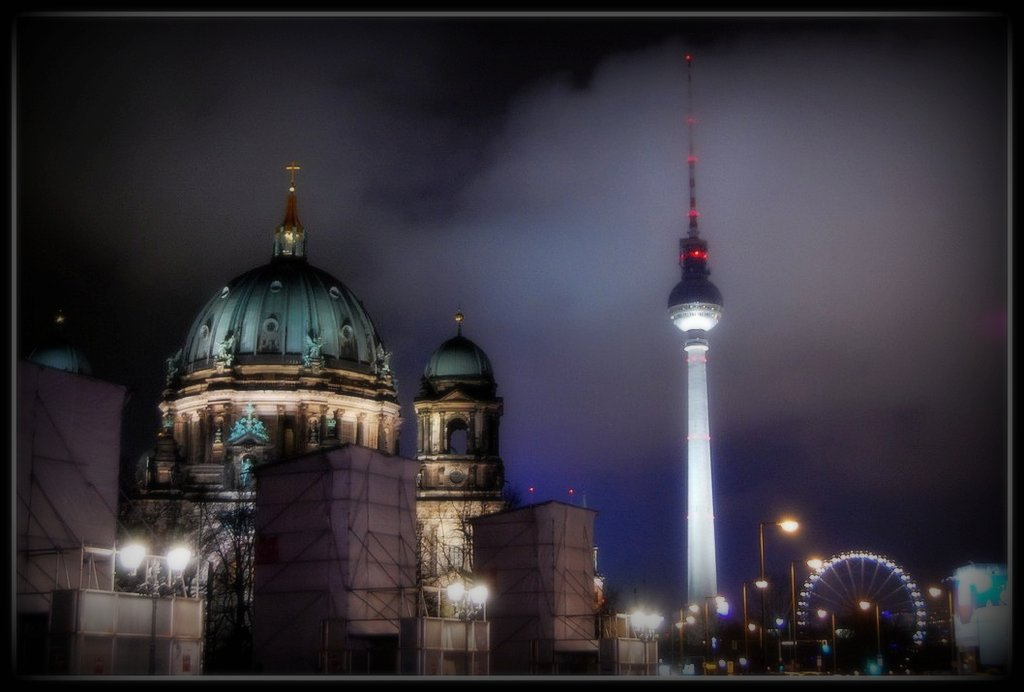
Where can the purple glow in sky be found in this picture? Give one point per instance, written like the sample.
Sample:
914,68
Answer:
852,184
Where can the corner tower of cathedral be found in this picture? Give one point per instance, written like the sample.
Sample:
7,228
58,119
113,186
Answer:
461,473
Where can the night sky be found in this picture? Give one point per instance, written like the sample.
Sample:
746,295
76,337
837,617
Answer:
852,184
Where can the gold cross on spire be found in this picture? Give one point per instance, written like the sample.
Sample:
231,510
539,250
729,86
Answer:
292,168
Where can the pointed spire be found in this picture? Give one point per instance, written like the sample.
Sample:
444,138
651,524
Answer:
459,317
290,237
291,215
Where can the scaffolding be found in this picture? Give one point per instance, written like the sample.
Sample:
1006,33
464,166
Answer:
68,457
539,564
335,561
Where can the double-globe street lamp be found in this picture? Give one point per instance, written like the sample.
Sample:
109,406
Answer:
132,557
645,628
788,526
467,603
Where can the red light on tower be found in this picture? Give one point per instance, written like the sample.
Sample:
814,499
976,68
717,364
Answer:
691,159
693,213
689,57
571,491
530,489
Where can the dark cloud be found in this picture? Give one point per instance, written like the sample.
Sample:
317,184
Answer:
852,184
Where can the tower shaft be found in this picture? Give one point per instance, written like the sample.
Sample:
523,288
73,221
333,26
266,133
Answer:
701,568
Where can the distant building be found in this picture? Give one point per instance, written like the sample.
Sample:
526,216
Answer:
982,617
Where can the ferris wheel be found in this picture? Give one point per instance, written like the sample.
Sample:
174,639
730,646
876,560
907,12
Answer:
857,580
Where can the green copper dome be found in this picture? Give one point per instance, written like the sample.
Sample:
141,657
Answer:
457,358
276,313
286,312
61,356
58,353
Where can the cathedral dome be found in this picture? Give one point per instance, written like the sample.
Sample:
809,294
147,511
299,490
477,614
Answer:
281,361
274,313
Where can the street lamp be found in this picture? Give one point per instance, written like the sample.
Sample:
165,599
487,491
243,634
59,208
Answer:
681,625
645,625
779,622
815,564
468,602
746,624
721,608
788,526
866,605
936,592
133,556
822,613
645,628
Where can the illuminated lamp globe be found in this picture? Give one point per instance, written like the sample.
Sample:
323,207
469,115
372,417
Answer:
478,594
132,555
456,591
695,304
177,559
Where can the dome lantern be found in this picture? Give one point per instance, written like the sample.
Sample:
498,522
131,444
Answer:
290,236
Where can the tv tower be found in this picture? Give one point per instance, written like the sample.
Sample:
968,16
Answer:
695,306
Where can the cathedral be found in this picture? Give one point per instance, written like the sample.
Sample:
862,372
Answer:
282,361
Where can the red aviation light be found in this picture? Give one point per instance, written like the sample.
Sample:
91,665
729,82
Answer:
691,159
689,57
693,214
698,254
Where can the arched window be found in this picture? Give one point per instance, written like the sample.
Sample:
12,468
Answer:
456,436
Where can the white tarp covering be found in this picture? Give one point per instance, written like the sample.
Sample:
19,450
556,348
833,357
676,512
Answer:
538,562
114,633
335,553
68,455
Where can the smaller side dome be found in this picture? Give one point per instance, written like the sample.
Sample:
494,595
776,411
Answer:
56,352
457,358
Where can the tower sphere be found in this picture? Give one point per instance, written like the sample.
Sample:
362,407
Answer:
695,304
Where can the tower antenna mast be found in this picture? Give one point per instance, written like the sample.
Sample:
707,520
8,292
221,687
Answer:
691,158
